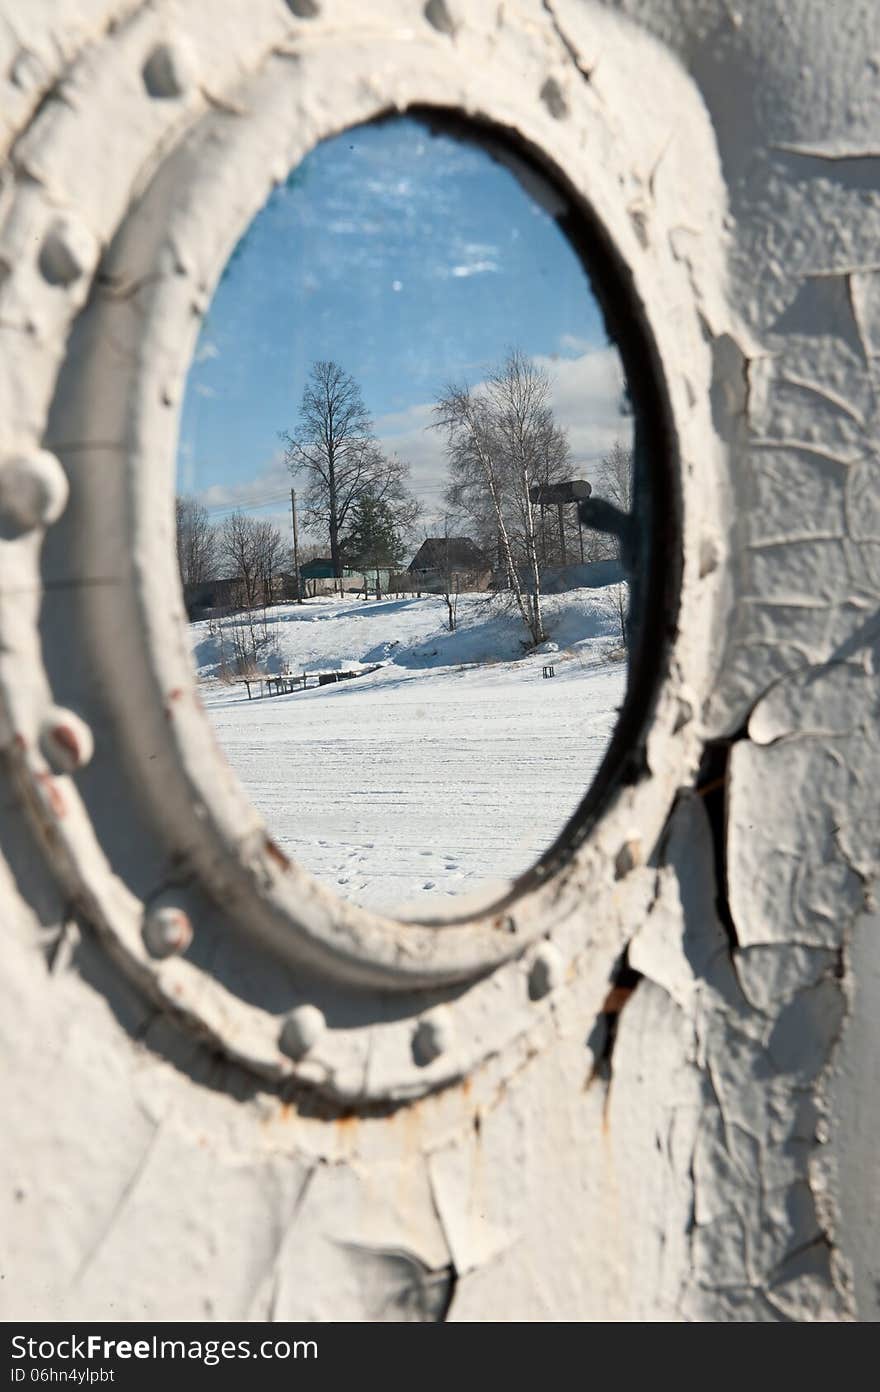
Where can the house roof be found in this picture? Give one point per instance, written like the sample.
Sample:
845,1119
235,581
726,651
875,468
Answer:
449,553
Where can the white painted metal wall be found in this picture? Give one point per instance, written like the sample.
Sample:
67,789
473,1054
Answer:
229,1095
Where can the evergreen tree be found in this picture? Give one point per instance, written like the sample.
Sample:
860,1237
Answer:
373,541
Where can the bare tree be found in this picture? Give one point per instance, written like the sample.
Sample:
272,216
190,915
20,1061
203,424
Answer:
478,476
252,551
335,448
450,578
502,440
196,541
271,553
609,511
614,479
238,548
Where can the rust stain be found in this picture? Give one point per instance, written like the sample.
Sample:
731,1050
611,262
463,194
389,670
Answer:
174,695
411,1122
287,1111
616,999
504,923
64,736
52,794
276,854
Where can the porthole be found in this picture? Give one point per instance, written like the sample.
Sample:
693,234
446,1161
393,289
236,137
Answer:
406,529
159,845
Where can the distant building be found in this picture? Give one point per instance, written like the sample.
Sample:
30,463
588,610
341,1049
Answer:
318,577
208,596
441,560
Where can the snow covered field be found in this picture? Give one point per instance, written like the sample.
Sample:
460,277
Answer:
452,764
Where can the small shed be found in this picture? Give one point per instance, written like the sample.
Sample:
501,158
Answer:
453,555
444,563
319,577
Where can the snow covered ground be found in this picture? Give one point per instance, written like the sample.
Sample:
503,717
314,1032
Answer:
452,764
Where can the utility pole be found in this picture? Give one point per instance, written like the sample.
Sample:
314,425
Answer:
298,577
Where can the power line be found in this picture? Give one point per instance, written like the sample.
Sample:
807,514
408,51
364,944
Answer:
253,506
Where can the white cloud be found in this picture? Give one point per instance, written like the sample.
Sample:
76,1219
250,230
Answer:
201,389
585,394
570,343
406,434
207,350
268,485
471,268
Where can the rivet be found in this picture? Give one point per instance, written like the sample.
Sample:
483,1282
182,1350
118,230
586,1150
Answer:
438,14
434,1036
168,72
301,1031
33,492
66,741
304,9
68,250
546,972
627,858
167,930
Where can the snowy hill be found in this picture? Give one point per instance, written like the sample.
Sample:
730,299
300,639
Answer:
330,633
453,762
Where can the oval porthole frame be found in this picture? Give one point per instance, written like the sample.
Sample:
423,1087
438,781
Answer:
465,988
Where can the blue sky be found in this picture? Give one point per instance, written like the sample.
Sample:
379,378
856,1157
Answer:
411,260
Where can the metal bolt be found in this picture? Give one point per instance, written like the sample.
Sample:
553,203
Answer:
301,1031
167,930
434,1036
66,741
33,492
168,72
68,250
547,971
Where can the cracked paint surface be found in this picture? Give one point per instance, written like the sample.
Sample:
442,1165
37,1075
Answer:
720,1164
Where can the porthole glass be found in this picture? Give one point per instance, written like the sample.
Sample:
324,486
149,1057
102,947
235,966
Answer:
405,516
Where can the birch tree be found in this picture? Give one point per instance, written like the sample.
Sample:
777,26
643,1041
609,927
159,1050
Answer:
501,439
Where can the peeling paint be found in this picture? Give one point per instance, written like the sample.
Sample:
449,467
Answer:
704,955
